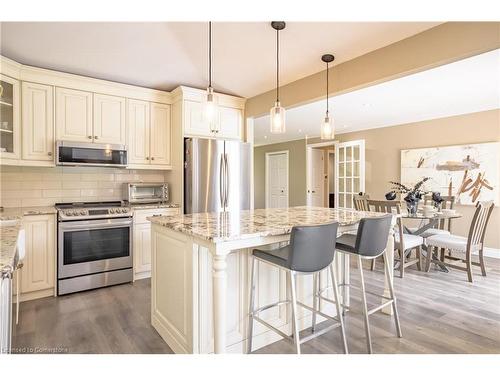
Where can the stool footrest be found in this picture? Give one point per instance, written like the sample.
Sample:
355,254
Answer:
271,305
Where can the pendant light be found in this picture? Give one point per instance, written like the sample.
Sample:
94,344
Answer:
328,126
210,104
277,113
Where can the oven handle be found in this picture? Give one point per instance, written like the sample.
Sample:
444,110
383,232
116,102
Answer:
94,224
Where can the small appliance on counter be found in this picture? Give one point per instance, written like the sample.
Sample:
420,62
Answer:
136,193
94,245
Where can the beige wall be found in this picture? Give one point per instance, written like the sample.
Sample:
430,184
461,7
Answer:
297,167
35,186
440,45
383,146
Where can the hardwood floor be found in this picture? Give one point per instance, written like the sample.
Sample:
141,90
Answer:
440,313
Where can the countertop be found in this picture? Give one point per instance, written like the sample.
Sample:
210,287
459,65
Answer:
230,226
8,241
17,213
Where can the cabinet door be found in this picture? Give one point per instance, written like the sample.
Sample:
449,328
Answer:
138,131
109,119
73,115
39,262
194,125
9,118
160,134
230,121
38,121
142,248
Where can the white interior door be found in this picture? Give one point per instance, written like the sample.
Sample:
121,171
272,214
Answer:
315,188
349,172
277,180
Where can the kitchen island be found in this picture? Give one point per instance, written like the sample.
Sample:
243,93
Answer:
200,275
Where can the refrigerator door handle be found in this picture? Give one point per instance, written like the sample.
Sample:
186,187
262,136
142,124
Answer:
221,181
226,172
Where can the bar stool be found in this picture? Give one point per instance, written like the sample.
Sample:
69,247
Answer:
369,243
311,250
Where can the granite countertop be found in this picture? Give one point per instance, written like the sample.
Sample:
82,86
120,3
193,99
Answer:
8,240
230,226
17,213
146,206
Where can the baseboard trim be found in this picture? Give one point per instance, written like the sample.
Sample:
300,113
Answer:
491,252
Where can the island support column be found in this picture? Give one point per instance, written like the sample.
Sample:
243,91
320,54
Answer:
219,276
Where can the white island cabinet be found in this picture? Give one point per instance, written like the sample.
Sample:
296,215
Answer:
200,275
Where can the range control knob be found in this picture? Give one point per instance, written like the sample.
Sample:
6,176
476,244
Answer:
82,213
69,213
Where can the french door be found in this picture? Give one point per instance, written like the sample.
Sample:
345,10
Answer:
349,172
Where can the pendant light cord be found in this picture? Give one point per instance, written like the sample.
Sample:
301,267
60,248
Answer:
210,54
327,80
277,65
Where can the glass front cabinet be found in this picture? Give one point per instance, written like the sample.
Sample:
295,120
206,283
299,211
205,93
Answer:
9,118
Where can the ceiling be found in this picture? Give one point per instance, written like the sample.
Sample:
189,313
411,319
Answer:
466,86
166,55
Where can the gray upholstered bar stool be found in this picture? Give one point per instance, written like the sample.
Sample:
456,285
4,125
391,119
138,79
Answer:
369,243
311,250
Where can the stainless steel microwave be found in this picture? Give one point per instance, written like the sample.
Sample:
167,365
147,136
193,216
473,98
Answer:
146,193
91,154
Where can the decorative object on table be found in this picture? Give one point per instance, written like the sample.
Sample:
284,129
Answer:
437,200
390,196
468,172
413,194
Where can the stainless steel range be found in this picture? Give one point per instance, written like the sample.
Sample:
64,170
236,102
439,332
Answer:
94,245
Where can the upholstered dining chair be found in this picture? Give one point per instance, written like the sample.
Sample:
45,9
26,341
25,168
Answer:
403,241
472,245
360,203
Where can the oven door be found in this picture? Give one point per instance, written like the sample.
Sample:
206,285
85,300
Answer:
92,246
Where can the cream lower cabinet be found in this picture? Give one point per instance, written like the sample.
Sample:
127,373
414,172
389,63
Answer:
142,240
38,272
37,122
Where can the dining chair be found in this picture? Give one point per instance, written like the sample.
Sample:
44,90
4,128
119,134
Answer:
360,203
404,242
472,245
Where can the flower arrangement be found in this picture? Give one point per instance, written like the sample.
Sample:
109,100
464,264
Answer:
413,194
437,199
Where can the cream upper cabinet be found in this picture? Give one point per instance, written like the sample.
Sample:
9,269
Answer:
194,124
9,119
38,272
109,119
160,134
37,121
138,130
230,122
73,115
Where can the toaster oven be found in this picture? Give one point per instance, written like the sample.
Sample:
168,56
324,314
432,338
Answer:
146,192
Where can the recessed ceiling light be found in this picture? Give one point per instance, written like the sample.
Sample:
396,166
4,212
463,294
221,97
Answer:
265,137
300,130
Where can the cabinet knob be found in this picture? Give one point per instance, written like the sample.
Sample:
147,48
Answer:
147,157
49,153
96,137
89,137
152,158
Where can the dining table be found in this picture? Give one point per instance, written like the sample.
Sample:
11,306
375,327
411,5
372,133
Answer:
426,222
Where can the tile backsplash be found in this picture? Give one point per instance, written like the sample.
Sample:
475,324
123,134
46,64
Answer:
37,186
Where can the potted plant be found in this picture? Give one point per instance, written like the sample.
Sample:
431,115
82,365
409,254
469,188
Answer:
413,194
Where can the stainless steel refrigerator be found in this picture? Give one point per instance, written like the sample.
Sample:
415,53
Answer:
217,175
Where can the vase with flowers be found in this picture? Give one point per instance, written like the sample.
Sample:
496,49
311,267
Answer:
413,195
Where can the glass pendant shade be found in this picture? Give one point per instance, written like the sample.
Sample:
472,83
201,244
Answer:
327,128
277,116
210,109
